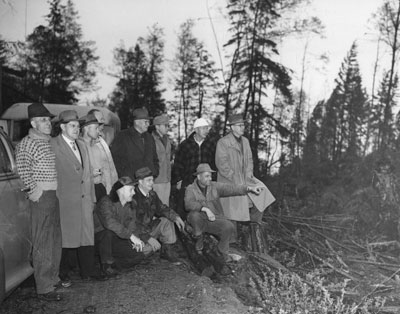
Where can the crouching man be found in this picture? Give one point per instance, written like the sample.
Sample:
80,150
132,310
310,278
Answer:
154,220
115,226
202,200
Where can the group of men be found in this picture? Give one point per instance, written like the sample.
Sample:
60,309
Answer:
85,195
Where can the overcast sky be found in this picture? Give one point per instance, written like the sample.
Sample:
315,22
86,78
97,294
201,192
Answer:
108,22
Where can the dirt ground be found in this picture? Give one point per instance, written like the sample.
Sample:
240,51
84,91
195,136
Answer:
159,287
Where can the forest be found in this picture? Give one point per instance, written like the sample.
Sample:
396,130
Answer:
333,165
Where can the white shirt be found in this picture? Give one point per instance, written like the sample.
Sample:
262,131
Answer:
74,147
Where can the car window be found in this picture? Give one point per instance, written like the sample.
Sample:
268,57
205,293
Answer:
5,161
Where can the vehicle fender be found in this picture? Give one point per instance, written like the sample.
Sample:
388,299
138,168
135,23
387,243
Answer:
2,277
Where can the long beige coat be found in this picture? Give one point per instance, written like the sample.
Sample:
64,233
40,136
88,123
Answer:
75,192
236,167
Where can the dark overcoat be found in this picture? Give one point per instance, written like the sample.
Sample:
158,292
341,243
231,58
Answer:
132,151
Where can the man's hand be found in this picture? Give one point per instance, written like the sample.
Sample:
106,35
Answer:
209,213
255,189
137,244
179,223
155,245
179,185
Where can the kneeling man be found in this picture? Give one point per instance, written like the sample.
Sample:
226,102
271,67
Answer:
154,220
202,200
115,226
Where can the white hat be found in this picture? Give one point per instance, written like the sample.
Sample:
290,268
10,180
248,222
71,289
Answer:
200,122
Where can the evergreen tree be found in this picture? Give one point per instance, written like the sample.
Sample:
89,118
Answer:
195,81
60,64
139,73
381,118
129,92
153,47
346,112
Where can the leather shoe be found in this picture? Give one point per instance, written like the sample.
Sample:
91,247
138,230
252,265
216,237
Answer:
63,284
110,270
96,277
199,245
50,296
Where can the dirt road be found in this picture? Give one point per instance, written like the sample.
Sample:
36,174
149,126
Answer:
160,287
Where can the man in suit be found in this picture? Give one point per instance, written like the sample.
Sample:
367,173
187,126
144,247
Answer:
75,192
134,148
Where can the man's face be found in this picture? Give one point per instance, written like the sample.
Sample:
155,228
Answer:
146,184
126,193
238,129
70,130
42,124
141,125
202,131
92,130
204,178
100,117
162,129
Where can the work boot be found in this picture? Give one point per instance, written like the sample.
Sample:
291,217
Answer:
110,270
168,253
199,244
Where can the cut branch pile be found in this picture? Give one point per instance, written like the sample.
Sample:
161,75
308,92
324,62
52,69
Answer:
327,243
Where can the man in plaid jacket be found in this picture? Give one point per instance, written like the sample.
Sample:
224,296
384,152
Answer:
198,148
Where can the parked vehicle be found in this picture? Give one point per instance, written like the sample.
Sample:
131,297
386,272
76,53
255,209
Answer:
14,121
15,231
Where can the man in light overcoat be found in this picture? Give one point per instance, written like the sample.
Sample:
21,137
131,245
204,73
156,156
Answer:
234,161
75,192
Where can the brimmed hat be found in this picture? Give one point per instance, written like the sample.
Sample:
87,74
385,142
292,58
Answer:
90,118
140,114
200,122
235,119
143,173
68,116
203,168
161,119
38,110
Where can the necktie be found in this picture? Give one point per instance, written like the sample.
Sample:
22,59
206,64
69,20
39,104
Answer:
74,146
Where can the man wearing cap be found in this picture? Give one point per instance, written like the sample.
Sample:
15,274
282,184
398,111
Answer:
76,194
197,148
234,161
154,220
202,200
103,155
37,168
116,225
134,148
162,184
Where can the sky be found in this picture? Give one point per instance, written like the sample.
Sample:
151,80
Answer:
110,22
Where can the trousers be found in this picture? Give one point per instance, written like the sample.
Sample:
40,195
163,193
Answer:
46,241
221,227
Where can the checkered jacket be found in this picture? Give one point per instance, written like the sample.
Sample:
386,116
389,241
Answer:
189,155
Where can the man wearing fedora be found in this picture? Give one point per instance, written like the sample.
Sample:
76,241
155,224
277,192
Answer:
234,161
89,136
198,148
37,168
103,154
154,220
76,194
202,200
134,148
162,184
